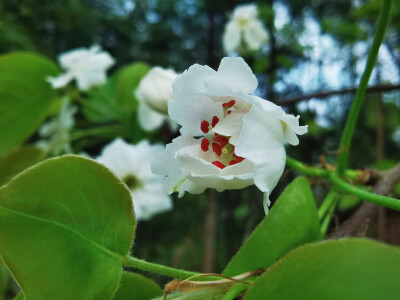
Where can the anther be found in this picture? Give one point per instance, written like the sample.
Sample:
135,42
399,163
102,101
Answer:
217,149
214,121
205,144
218,164
204,126
221,140
233,162
229,104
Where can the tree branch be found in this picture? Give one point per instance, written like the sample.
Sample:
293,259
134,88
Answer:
380,88
357,224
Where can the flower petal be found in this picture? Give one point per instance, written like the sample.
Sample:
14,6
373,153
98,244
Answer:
231,37
88,78
60,81
148,118
231,125
255,34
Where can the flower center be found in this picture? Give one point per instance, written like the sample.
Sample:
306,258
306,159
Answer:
220,145
132,182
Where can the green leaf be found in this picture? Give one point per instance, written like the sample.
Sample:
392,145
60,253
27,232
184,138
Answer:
4,279
333,269
127,83
115,99
17,161
25,96
135,286
66,226
292,222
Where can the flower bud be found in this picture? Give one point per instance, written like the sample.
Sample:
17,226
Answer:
156,88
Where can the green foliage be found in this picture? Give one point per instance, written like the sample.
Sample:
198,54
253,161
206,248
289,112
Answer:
206,294
17,161
115,100
135,286
25,96
292,222
335,269
66,226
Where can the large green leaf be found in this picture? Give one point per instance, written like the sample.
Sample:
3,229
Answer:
66,225
17,161
25,96
205,294
135,286
292,222
336,269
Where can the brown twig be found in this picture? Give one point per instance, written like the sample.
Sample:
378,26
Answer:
372,89
357,224
209,232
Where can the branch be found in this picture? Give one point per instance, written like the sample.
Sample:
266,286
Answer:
361,218
380,88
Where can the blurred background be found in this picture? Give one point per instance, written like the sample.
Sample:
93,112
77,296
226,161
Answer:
315,47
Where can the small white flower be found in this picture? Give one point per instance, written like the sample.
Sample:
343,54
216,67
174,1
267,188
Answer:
244,29
230,139
131,164
87,66
153,93
56,132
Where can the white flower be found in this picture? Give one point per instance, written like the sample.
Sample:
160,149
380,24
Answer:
153,93
56,132
131,164
87,66
230,139
244,29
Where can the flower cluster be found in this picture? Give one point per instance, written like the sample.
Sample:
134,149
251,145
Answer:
244,31
229,138
87,66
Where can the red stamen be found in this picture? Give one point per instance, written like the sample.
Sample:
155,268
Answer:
217,149
221,140
229,104
204,144
239,159
204,126
218,164
233,162
229,111
214,121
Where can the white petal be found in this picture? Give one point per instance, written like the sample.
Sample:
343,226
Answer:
87,79
261,142
245,11
292,128
231,125
60,81
231,37
238,74
188,107
255,34
149,119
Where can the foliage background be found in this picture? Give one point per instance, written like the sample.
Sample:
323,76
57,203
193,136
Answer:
314,46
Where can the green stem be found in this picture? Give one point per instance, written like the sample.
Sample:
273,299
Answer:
316,172
327,220
367,196
360,94
326,204
159,269
234,291
306,170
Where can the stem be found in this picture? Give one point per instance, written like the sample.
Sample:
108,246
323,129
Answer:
306,170
328,217
359,97
367,196
234,291
159,269
209,232
326,204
